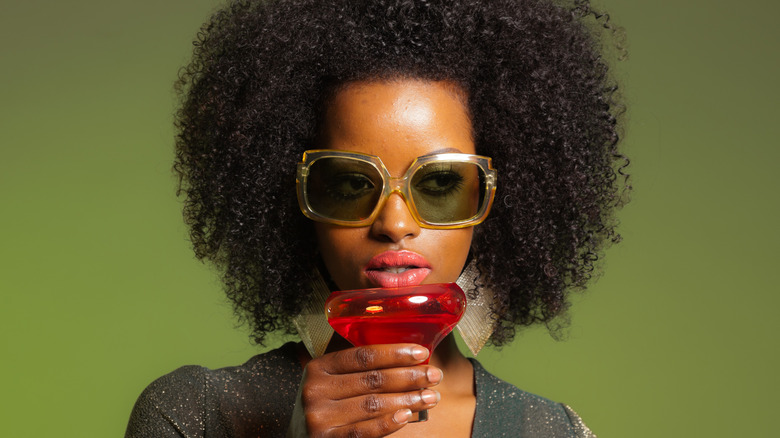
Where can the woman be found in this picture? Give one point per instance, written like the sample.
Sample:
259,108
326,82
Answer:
385,87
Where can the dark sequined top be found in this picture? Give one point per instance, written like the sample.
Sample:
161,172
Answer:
256,400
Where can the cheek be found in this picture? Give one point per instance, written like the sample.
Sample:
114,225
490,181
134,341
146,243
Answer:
452,248
333,240
338,247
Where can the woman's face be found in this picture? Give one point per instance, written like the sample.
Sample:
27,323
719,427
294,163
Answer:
397,121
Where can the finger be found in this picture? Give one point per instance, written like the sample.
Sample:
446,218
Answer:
391,380
375,427
361,408
372,357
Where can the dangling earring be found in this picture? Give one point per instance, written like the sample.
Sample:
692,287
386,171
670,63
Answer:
477,323
311,323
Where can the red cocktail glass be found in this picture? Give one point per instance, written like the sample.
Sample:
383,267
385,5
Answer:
422,314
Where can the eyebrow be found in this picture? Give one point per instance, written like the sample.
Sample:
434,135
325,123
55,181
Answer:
443,151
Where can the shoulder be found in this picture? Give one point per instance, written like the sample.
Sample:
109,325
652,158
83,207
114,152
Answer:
195,401
170,406
502,407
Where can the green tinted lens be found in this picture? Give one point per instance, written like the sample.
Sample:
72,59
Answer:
343,188
447,192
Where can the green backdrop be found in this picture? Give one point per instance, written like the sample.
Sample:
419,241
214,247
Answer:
100,293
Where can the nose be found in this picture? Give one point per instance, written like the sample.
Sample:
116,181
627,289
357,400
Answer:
395,222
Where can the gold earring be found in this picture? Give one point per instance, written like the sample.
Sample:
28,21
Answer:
477,324
311,323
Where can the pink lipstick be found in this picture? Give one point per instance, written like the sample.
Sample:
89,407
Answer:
397,269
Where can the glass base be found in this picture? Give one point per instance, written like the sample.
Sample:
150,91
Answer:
419,417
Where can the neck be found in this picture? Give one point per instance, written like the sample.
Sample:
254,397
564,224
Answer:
447,354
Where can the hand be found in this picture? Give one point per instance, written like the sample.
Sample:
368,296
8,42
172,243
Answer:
368,391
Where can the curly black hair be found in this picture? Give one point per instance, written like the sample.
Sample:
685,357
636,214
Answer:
542,104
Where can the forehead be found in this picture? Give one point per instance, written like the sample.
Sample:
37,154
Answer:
398,120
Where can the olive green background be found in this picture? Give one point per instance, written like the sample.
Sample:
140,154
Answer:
100,293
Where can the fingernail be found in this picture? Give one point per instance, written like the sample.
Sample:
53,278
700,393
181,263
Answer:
420,353
434,375
402,416
430,397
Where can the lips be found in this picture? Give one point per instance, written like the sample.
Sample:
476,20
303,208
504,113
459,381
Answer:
397,269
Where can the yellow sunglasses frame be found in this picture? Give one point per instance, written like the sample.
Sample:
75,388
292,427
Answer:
392,185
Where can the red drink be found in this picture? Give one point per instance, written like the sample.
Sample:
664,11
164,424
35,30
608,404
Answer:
422,314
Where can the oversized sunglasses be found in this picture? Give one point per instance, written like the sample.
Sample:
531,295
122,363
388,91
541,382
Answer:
442,191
